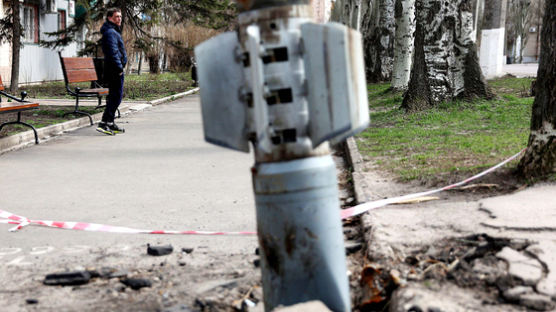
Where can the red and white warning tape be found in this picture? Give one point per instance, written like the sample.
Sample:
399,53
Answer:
20,222
359,209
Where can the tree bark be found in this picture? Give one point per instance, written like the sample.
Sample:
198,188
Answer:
378,40
539,160
403,48
16,46
445,56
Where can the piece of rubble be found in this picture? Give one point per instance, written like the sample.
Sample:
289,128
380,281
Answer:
544,250
537,302
310,306
187,250
352,246
159,250
136,283
118,274
515,293
527,269
67,278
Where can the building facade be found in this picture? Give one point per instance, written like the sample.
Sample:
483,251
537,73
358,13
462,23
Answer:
37,63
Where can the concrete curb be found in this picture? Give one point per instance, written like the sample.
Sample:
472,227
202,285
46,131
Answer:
354,159
23,139
173,97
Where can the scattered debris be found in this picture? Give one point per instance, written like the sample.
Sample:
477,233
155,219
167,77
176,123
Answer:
118,274
159,250
416,200
187,250
478,186
378,285
352,246
67,278
136,283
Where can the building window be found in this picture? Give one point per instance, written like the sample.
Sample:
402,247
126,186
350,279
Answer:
62,22
30,22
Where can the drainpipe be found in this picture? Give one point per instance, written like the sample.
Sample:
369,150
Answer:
289,86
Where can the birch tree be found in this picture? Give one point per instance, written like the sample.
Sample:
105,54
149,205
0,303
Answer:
378,28
445,63
403,47
540,157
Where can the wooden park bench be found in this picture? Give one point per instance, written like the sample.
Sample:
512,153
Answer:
16,106
82,69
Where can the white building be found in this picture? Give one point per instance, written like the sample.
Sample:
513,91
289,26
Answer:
37,63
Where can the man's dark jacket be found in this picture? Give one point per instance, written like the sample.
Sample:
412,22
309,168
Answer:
115,57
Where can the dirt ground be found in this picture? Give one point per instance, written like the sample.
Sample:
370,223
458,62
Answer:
190,278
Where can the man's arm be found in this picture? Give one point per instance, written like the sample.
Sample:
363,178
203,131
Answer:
112,50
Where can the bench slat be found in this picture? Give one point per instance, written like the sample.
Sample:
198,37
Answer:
81,75
100,91
16,106
78,63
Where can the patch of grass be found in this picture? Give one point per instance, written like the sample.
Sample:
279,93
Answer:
513,85
449,142
143,87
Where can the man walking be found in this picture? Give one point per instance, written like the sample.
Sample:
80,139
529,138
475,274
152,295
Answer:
115,59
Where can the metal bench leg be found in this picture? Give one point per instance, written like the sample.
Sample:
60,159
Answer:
19,122
78,112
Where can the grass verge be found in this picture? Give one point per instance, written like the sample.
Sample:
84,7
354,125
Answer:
143,87
452,141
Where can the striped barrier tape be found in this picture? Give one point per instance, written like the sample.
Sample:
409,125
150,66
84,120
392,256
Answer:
20,221
362,208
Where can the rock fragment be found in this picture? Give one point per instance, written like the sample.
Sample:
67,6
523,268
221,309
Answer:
527,269
159,250
136,283
67,278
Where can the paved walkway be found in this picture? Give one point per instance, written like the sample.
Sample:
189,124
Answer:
521,70
159,175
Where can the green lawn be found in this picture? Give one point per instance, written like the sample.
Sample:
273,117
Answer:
449,142
143,87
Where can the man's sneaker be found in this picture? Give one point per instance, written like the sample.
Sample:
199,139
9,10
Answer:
115,128
104,128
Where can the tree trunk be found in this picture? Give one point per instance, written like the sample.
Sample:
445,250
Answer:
403,49
154,63
378,41
16,46
348,12
445,56
540,157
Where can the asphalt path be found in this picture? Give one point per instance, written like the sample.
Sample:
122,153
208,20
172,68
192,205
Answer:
159,175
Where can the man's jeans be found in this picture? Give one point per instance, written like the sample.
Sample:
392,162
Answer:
114,98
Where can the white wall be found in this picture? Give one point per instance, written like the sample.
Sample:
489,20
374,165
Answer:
39,64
